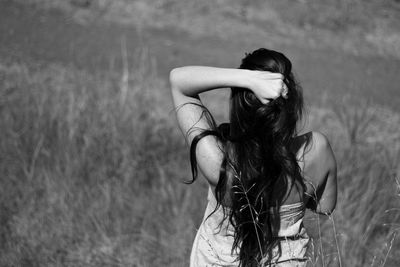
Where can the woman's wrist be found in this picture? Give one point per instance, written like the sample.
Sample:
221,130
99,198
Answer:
242,78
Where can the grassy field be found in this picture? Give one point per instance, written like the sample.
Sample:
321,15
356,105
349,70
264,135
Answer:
358,26
92,167
92,164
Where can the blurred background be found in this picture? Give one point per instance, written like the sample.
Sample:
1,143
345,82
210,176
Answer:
91,159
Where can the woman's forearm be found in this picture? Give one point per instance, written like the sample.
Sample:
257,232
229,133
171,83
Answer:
193,80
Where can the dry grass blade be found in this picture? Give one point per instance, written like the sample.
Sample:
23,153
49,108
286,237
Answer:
252,210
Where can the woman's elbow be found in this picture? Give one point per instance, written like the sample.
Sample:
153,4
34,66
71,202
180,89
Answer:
175,78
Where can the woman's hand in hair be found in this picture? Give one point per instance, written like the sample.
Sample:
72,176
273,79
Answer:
267,86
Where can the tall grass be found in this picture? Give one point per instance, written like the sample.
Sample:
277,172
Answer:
363,228
91,168
88,179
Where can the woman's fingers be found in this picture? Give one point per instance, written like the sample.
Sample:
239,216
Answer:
282,89
273,75
265,100
285,89
277,88
268,86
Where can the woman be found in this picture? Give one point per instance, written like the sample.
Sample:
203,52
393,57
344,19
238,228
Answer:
262,175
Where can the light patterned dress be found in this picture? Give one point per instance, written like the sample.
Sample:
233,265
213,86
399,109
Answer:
213,245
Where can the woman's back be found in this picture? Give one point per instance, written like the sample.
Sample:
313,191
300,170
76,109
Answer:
215,237
317,163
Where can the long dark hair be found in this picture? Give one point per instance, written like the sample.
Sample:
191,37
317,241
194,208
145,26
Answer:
259,167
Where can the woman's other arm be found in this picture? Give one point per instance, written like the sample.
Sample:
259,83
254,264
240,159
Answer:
321,172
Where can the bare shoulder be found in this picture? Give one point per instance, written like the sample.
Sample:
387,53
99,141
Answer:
321,149
313,144
316,156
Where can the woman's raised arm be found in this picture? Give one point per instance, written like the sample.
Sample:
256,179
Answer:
186,85
193,80
188,82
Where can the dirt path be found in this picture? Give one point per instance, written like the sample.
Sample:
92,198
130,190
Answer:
41,37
